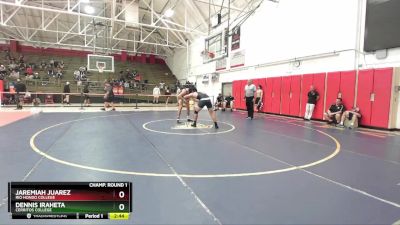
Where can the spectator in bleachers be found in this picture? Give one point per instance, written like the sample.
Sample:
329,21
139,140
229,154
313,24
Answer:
61,65
36,76
51,63
29,71
350,118
66,92
7,55
19,87
14,74
43,65
59,73
334,114
12,66
21,59
3,72
162,84
50,72
228,103
156,94
82,71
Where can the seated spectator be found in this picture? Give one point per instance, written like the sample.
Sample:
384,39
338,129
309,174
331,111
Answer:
162,84
350,118
50,72
14,74
36,76
21,59
138,78
82,70
8,55
29,71
61,65
219,101
334,114
12,66
228,103
51,63
3,71
43,65
36,101
77,74
59,73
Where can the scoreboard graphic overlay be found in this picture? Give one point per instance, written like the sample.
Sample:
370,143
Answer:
70,200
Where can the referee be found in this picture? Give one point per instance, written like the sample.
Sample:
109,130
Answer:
249,91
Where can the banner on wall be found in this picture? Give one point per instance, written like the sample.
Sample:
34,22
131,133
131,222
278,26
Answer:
237,58
220,64
235,38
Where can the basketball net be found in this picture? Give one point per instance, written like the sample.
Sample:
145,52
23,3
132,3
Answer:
207,55
101,69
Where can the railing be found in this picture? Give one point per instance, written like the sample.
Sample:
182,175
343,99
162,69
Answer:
76,99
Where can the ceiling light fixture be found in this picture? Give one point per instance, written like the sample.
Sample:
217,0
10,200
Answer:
89,9
169,13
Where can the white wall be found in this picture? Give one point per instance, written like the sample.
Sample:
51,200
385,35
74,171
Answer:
288,30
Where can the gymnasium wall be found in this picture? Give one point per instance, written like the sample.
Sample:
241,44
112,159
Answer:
327,35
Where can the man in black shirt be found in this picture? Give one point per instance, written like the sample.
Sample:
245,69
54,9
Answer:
19,87
219,101
66,92
228,102
334,113
313,97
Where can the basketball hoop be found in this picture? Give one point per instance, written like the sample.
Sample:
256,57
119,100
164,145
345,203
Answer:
207,55
100,68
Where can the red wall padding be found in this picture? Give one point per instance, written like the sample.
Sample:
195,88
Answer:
288,95
364,90
348,87
285,95
319,84
268,95
276,95
152,59
236,93
243,83
306,82
295,90
124,56
381,104
332,88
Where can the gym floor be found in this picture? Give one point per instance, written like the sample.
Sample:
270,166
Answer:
270,170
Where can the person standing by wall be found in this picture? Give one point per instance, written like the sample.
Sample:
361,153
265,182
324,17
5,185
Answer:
156,94
249,91
168,94
66,91
259,98
86,95
313,97
19,87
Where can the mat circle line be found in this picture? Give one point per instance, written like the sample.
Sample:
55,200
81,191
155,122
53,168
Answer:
145,126
76,165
